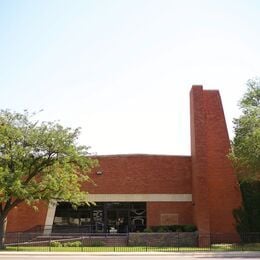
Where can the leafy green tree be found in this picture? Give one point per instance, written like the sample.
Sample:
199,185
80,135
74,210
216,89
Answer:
39,161
245,153
248,216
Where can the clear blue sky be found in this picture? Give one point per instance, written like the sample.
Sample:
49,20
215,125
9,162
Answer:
122,70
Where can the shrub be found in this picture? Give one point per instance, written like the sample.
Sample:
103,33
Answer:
55,244
148,230
162,229
173,228
73,244
189,228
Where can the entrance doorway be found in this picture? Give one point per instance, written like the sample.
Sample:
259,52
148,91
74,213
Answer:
117,221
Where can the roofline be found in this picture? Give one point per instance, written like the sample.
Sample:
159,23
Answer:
138,155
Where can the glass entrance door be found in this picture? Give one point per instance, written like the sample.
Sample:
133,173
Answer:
117,221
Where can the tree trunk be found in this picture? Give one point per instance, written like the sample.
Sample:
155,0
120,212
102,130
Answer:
3,222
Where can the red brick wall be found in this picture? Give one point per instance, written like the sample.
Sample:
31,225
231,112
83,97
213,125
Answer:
142,174
146,174
155,209
224,193
23,217
215,189
130,174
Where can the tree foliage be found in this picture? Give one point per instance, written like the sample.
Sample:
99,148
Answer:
39,161
248,216
245,153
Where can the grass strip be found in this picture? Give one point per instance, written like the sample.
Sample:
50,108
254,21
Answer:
217,247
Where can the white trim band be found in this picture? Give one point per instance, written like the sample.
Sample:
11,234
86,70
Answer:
139,197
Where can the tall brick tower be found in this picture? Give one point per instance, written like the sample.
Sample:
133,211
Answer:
215,188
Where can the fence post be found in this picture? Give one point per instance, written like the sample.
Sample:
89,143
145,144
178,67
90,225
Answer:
178,240
49,243
210,244
82,240
17,241
243,241
114,245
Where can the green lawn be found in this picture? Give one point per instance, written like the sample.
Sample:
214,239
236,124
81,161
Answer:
106,249
219,247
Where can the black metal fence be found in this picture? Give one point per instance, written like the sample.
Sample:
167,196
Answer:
131,242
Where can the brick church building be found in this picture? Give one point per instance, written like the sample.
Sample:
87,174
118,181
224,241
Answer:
136,191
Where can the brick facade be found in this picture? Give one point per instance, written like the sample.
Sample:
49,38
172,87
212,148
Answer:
141,174
25,218
206,175
215,189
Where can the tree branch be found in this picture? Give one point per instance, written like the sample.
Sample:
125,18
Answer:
9,205
39,168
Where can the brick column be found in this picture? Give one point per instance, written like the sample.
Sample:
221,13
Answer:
215,188
200,190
